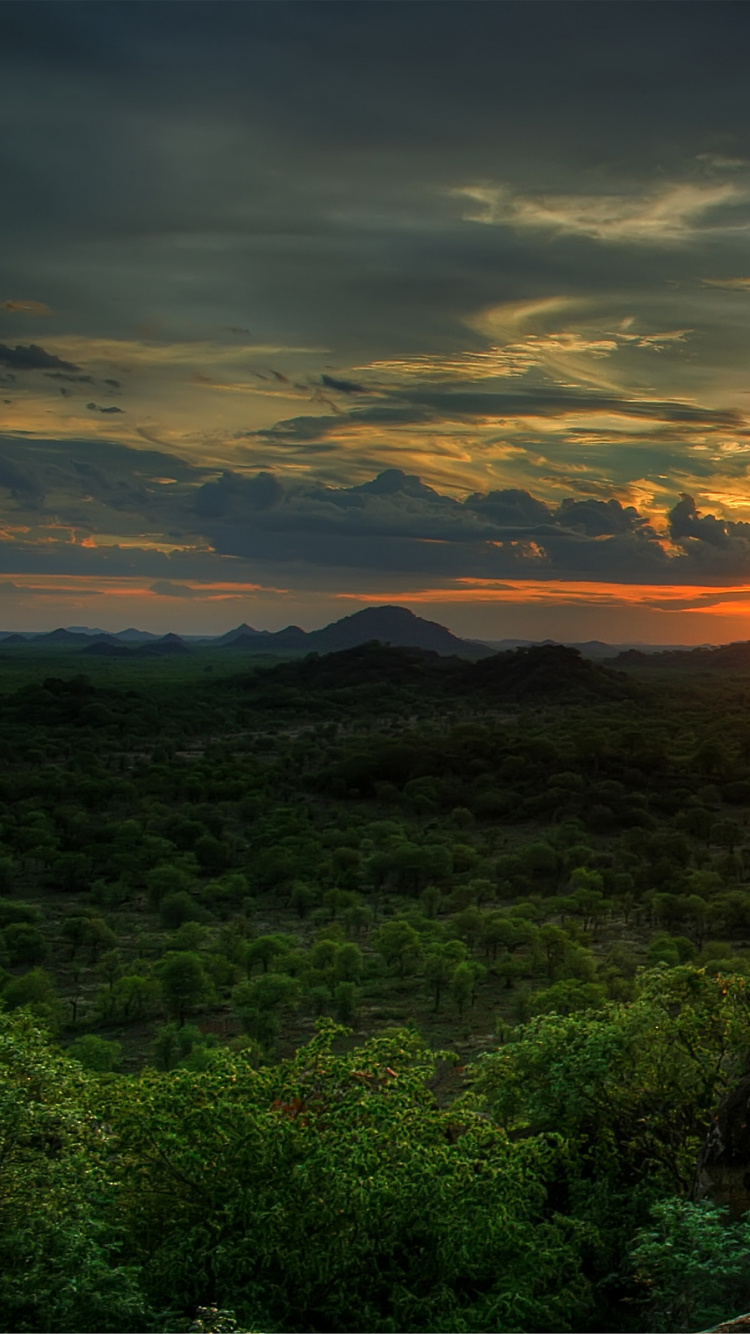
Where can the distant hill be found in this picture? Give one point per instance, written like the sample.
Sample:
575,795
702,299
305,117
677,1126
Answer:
240,632
62,637
109,647
388,625
374,672
164,647
591,648
131,635
726,658
105,648
554,670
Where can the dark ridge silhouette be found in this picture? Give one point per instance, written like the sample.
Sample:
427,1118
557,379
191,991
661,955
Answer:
11,640
543,669
62,637
553,672
164,647
240,632
291,637
726,658
131,635
105,648
390,625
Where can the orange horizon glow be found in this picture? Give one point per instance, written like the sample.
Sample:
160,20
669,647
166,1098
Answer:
704,599
713,599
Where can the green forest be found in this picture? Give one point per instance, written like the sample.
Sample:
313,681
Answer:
374,991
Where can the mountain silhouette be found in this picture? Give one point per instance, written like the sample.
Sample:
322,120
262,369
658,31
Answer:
388,625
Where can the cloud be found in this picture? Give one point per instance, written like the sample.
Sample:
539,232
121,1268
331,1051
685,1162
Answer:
94,407
166,589
674,213
420,405
730,284
32,358
73,379
163,353
101,509
22,483
343,386
26,307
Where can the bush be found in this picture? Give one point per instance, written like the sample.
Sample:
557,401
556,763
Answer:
95,1053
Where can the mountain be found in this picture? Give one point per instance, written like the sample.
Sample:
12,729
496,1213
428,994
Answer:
62,637
388,625
166,646
106,648
131,635
242,632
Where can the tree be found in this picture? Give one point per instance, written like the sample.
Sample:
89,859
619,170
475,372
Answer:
462,984
184,983
24,943
399,943
130,997
173,1043
95,1053
260,1002
347,965
175,909
36,991
690,1264
264,949
632,1087
61,1250
166,880
440,963
331,1192
345,998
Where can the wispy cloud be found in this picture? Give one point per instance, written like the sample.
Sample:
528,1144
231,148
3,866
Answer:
672,214
153,352
729,284
36,308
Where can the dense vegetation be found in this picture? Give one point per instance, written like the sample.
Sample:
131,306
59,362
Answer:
519,884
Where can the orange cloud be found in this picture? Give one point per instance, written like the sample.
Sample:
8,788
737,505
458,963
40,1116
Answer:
27,307
706,599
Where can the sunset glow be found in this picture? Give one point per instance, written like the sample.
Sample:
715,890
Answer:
270,299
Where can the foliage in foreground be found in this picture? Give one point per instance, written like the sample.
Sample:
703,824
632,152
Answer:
331,1192
61,1236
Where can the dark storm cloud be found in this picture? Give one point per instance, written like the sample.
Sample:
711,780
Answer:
77,472
391,526
22,483
685,522
342,226
309,168
32,358
396,523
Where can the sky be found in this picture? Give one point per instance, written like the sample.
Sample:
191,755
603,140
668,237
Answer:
306,307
